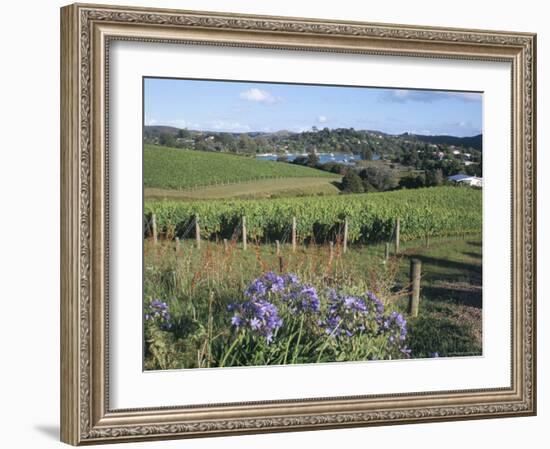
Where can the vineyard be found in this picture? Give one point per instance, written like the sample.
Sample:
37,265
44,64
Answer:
433,212
177,169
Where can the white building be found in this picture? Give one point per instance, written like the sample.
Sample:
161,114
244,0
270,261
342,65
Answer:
472,181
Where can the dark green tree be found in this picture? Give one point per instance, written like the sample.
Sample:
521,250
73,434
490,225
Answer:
351,182
412,182
167,140
434,177
379,178
312,159
183,134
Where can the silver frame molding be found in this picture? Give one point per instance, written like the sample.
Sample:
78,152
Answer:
86,33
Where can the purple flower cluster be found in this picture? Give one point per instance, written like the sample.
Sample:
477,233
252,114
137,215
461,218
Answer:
396,327
260,315
376,305
345,315
257,315
348,315
302,298
158,311
268,283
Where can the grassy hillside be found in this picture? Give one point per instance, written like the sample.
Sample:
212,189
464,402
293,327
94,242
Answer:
176,169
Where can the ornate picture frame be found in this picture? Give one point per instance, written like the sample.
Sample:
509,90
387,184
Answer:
87,32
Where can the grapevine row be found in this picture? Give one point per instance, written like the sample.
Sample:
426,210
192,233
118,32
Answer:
438,211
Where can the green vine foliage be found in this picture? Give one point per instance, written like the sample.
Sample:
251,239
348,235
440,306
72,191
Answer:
435,212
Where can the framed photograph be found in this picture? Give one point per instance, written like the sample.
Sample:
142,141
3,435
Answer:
278,224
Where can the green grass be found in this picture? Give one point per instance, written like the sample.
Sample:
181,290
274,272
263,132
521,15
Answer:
450,318
178,169
198,285
264,188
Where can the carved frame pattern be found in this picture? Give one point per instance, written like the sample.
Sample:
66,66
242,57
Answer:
85,415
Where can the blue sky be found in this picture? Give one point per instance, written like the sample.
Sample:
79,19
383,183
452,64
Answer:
243,106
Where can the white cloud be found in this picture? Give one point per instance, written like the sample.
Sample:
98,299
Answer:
177,123
427,96
258,95
322,119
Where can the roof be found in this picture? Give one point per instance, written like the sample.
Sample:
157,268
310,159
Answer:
459,177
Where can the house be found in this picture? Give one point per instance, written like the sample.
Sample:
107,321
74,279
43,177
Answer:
472,181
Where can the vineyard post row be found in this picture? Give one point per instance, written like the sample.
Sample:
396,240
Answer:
154,235
415,269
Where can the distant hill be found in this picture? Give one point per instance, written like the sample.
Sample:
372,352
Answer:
341,140
158,130
475,142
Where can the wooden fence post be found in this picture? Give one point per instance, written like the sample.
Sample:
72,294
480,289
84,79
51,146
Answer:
278,245
281,264
331,251
397,234
197,231
345,235
154,227
177,244
293,234
387,252
225,245
427,240
414,297
244,232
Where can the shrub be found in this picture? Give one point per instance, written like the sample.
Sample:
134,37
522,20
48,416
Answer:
351,183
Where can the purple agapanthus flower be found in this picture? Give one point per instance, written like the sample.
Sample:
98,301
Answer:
269,282
346,315
257,315
302,298
158,311
375,303
291,279
395,327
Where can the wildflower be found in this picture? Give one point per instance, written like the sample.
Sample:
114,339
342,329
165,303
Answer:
158,311
291,279
270,282
346,315
396,326
303,298
376,303
257,315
